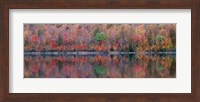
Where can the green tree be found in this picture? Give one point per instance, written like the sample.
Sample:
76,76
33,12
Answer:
100,37
59,40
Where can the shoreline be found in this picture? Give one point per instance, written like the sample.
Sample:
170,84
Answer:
95,53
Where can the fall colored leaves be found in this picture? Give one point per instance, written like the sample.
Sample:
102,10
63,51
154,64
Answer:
100,37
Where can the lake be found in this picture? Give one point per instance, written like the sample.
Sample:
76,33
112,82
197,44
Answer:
100,66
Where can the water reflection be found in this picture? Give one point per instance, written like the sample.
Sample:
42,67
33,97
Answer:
100,66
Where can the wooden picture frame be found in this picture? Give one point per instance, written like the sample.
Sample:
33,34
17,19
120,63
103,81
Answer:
5,5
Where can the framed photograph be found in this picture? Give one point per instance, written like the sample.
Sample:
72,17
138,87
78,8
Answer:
106,50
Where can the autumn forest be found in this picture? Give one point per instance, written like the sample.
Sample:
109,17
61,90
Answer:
99,50
100,37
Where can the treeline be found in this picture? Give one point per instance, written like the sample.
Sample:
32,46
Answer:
100,37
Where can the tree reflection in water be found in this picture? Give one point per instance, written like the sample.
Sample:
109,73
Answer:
100,66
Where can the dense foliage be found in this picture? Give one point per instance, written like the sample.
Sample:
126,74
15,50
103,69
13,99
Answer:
100,37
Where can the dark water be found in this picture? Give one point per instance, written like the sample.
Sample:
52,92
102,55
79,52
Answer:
100,66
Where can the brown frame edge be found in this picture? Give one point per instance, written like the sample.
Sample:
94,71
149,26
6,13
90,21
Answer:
5,5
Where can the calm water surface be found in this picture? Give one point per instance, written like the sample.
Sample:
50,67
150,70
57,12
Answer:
100,66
